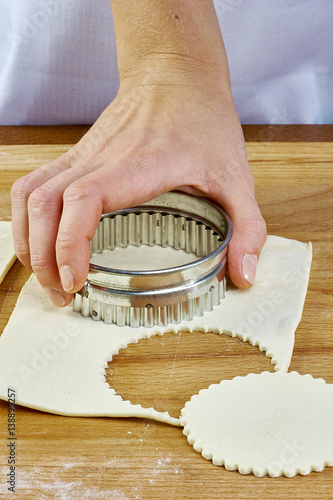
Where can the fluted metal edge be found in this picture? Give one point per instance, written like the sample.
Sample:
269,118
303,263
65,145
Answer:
148,298
150,315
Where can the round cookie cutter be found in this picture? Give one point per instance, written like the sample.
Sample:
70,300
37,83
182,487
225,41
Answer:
158,297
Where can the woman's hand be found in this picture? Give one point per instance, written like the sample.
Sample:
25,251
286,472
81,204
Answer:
173,125
151,139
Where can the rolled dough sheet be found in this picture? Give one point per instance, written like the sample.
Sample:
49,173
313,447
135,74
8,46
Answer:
55,359
271,423
143,258
7,253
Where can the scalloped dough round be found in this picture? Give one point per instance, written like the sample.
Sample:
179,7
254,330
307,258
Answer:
268,424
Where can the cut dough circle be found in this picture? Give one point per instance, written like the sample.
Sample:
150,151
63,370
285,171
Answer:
268,424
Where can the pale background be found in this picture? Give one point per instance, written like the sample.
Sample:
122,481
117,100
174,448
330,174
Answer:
58,60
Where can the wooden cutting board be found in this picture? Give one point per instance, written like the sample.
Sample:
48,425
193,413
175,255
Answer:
68,458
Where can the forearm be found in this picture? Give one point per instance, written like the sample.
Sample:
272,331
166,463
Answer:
167,34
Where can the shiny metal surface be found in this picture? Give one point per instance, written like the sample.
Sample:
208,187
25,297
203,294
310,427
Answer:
146,298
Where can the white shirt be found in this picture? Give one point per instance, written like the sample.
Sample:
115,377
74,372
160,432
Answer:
58,60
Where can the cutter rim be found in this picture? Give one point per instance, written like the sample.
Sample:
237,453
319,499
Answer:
199,285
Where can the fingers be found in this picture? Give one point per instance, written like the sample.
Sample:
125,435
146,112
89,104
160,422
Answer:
56,211
82,210
37,201
108,189
45,207
20,192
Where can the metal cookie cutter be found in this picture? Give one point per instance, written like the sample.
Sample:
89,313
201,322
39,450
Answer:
162,296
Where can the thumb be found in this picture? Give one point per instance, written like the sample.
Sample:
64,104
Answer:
248,239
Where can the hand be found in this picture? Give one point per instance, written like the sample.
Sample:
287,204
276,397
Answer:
154,137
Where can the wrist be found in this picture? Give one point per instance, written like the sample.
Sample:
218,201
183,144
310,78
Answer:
169,41
175,74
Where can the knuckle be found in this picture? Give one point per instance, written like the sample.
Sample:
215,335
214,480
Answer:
257,226
41,198
78,192
244,178
65,242
231,175
21,188
40,263
22,252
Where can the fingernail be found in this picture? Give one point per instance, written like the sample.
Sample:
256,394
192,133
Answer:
55,296
67,278
250,267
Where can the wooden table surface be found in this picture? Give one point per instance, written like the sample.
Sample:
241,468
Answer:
103,458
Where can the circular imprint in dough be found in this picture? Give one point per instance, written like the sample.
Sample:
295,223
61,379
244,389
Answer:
268,424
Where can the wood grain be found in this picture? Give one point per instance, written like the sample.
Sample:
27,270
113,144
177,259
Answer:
66,134
63,457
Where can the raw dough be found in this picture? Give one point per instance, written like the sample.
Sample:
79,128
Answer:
143,258
272,423
7,253
55,359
